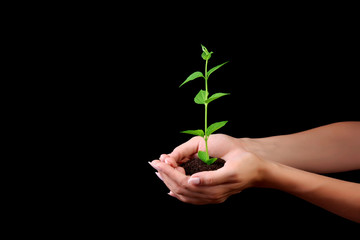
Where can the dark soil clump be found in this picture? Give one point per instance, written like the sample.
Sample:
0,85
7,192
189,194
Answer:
195,165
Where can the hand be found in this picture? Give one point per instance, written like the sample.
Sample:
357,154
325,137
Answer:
241,170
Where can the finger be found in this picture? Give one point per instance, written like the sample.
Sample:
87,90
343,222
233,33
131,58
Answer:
186,149
176,180
199,200
168,160
163,157
211,178
191,200
181,169
171,161
192,194
176,174
171,194
181,198
159,176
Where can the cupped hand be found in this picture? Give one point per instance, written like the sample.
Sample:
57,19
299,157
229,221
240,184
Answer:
242,169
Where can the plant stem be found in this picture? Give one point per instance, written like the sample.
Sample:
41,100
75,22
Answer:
206,78
206,106
206,136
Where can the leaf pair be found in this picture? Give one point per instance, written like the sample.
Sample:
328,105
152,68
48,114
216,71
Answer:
211,129
205,158
201,97
198,74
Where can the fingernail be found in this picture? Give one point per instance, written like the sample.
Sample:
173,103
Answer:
194,180
161,158
159,176
154,166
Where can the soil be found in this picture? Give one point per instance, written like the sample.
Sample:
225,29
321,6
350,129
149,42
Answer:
195,165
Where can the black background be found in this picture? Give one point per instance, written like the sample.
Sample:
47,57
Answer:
289,71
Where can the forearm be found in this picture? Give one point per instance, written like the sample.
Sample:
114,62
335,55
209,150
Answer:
330,148
337,196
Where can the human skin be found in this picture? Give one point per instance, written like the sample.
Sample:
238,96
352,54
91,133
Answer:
288,163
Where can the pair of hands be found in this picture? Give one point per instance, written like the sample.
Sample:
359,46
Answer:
241,170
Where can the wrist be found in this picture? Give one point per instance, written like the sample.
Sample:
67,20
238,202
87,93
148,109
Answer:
261,147
268,173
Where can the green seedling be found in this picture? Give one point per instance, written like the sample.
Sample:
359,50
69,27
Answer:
203,98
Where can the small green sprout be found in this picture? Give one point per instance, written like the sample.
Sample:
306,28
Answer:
203,98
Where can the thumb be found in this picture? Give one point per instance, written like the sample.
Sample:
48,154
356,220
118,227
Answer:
186,149
209,178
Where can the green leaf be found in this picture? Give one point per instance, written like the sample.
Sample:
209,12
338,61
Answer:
209,56
211,161
216,96
215,68
192,77
200,97
203,156
198,132
215,126
204,49
206,55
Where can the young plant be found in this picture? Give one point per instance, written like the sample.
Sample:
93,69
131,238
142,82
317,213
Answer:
203,98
